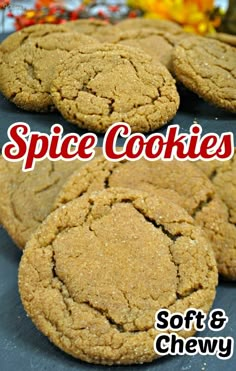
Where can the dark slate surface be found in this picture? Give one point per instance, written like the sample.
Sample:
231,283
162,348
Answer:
22,347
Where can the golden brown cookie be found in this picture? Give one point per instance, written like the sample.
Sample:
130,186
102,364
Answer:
97,270
27,198
142,23
196,194
26,73
16,39
113,83
223,176
100,30
224,37
107,34
86,26
208,68
158,44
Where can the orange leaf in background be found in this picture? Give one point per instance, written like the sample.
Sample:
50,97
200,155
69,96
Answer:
193,15
203,5
48,2
4,4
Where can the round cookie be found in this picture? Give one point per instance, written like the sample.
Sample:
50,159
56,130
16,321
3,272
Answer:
26,73
223,176
142,23
96,271
208,68
158,44
26,198
196,194
114,83
16,39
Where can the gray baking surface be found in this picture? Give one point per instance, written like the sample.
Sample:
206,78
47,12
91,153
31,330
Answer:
22,346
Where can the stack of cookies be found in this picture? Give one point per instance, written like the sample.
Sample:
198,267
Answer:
97,74
106,245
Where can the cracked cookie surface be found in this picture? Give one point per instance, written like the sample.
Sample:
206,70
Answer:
86,26
27,198
196,194
26,73
96,271
223,176
100,30
224,37
208,68
114,83
158,44
17,39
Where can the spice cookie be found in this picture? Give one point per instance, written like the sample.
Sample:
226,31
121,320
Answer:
86,26
27,198
100,30
196,194
96,271
208,68
26,73
224,37
16,39
142,23
107,34
112,83
223,176
158,44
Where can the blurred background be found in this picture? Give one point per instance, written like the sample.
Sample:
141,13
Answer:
198,16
